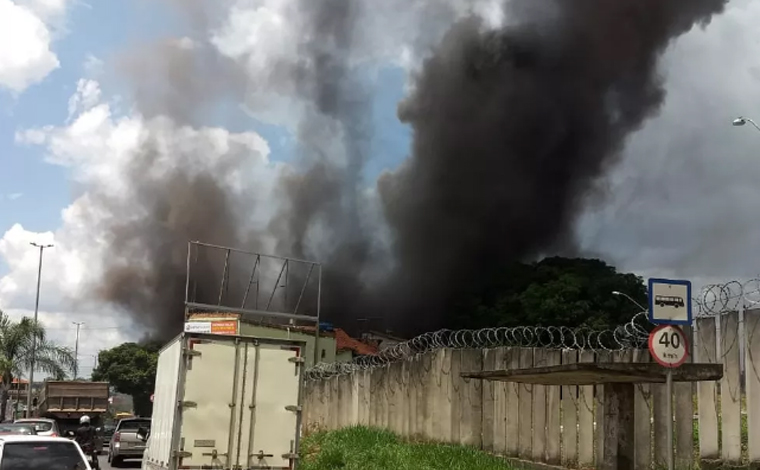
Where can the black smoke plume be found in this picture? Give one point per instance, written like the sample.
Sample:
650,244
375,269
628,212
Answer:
513,128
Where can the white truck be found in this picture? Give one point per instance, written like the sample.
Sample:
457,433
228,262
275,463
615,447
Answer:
226,402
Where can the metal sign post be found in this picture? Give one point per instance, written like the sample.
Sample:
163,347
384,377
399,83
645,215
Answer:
669,306
669,347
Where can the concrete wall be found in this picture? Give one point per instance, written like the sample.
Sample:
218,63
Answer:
426,397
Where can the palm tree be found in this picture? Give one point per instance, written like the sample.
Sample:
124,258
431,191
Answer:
16,339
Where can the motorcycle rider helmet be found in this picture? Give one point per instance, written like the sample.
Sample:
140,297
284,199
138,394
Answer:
84,419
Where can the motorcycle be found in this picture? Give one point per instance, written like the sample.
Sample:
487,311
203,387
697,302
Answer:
89,451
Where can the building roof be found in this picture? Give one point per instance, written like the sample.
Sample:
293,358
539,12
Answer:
343,342
19,381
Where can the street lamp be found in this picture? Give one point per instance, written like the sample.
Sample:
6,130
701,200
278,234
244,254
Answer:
78,324
623,294
741,120
34,337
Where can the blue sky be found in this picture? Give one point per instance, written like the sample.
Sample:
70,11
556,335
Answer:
99,30
33,192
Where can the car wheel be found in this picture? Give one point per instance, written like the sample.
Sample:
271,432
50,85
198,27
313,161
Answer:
116,462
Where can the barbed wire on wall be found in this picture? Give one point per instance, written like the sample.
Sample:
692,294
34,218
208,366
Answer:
633,334
713,299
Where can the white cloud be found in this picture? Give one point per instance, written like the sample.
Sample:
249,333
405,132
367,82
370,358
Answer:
85,98
98,147
65,268
47,10
25,41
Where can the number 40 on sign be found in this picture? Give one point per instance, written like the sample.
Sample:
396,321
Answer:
668,345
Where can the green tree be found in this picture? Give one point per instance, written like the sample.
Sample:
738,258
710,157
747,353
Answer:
16,341
554,292
130,368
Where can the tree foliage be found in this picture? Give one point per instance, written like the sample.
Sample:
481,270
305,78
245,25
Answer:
130,368
17,341
554,292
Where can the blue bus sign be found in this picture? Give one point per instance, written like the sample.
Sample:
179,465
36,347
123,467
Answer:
670,302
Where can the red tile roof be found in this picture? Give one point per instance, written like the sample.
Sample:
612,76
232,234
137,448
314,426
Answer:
343,342
17,381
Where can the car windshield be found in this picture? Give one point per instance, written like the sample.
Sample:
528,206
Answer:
39,426
16,429
134,424
41,456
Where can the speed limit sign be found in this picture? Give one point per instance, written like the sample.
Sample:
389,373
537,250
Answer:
668,345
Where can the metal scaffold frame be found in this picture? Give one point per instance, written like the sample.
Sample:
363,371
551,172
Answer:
253,288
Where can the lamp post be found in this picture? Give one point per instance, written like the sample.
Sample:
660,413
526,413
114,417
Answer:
741,120
34,337
623,294
76,349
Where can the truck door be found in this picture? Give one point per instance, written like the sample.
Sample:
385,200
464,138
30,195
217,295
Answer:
270,427
211,398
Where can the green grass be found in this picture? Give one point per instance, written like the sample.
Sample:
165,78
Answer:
361,448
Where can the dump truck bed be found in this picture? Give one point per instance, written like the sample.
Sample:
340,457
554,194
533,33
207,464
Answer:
72,399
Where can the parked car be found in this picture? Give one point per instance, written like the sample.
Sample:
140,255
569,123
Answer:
18,428
125,444
43,426
41,453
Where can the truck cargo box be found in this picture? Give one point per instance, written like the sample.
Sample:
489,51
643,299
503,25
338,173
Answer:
73,399
226,402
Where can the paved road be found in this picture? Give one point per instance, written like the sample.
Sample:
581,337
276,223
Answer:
127,464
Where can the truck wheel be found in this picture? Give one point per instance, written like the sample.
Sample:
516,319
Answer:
116,462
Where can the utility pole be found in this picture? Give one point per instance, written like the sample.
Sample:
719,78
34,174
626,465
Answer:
76,349
34,338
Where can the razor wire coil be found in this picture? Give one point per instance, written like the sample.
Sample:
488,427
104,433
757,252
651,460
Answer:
633,334
715,299
712,299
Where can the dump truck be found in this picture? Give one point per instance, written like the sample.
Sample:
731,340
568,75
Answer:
223,401
67,401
